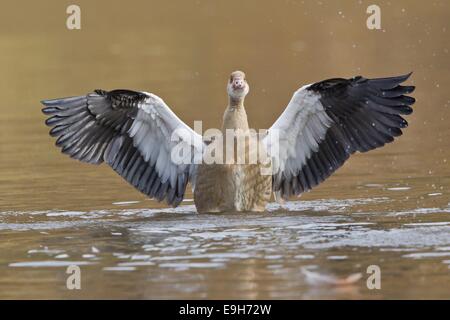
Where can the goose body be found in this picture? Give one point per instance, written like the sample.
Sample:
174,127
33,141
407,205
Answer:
234,187
139,136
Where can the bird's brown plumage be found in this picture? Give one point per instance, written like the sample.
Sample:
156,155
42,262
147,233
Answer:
234,187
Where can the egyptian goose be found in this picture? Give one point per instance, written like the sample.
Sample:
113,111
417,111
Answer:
136,134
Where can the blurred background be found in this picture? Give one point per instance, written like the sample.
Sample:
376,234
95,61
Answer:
184,51
387,207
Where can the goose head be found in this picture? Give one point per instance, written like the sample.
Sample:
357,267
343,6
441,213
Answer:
237,87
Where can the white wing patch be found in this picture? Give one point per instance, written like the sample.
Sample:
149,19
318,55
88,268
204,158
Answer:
152,132
302,126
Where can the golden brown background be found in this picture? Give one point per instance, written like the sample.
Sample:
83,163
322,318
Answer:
184,51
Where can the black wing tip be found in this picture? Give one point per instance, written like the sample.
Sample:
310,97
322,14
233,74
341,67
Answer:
47,110
405,77
406,110
410,100
394,80
408,90
50,122
50,102
333,82
54,105
49,105
402,77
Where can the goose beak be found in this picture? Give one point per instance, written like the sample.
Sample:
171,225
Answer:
238,84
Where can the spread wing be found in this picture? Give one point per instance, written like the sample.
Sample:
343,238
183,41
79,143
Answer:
326,122
133,132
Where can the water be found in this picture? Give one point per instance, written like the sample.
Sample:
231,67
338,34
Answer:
303,250
389,207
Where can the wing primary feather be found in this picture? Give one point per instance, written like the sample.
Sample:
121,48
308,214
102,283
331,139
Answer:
333,119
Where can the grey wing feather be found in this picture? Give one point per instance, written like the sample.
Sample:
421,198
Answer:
94,129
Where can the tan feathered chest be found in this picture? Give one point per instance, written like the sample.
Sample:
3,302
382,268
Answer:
243,183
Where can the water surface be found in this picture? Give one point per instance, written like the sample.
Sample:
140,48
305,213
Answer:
389,207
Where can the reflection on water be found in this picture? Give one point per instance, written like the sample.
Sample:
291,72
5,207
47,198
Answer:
389,207
305,249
